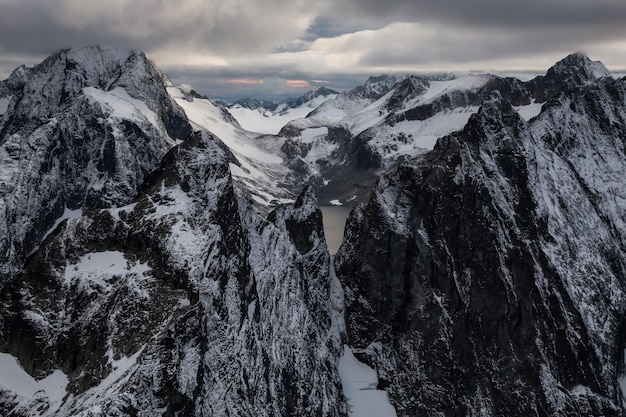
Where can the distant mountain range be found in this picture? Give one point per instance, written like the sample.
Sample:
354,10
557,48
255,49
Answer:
163,254
253,103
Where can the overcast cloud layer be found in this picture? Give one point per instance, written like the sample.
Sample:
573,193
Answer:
235,48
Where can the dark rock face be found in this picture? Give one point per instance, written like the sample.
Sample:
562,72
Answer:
208,308
407,89
81,131
511,89
487,277
15,82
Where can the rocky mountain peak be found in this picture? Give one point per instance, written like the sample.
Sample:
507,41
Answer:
570,73
143,80
407,89
322,91
81,132
15,82
580,63
493,263
312,94
62,76
325,91
253,103
18,72
381,84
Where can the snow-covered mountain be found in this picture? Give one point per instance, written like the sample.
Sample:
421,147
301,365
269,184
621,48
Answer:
340,143
135,280
347,141
79,131
484,275
487,277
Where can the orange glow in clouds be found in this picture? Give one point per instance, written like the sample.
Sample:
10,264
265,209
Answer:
251,81
297,84
244,81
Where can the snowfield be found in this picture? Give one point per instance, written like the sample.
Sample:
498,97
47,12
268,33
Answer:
259,166
360,387
14,378
103,264
4,104
267,122
123,106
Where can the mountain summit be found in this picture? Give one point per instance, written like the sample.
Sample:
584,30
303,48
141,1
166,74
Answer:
81,131
571,72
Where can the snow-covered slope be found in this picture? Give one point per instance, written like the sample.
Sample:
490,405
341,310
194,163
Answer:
369,133
270,121
257,163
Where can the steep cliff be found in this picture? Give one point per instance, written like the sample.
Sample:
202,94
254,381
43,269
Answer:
185,302
487,276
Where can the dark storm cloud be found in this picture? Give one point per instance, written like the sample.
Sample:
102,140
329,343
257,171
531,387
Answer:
460,32
329,27
229,27
492,28
38,26
314,39
453,48
492,13
459,46
30,27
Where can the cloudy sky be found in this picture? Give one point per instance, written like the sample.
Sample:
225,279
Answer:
237,48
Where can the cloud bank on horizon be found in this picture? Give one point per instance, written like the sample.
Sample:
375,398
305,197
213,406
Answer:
233,48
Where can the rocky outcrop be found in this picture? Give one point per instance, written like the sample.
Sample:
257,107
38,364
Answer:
487,277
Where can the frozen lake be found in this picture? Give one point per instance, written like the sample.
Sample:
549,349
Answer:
334,218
